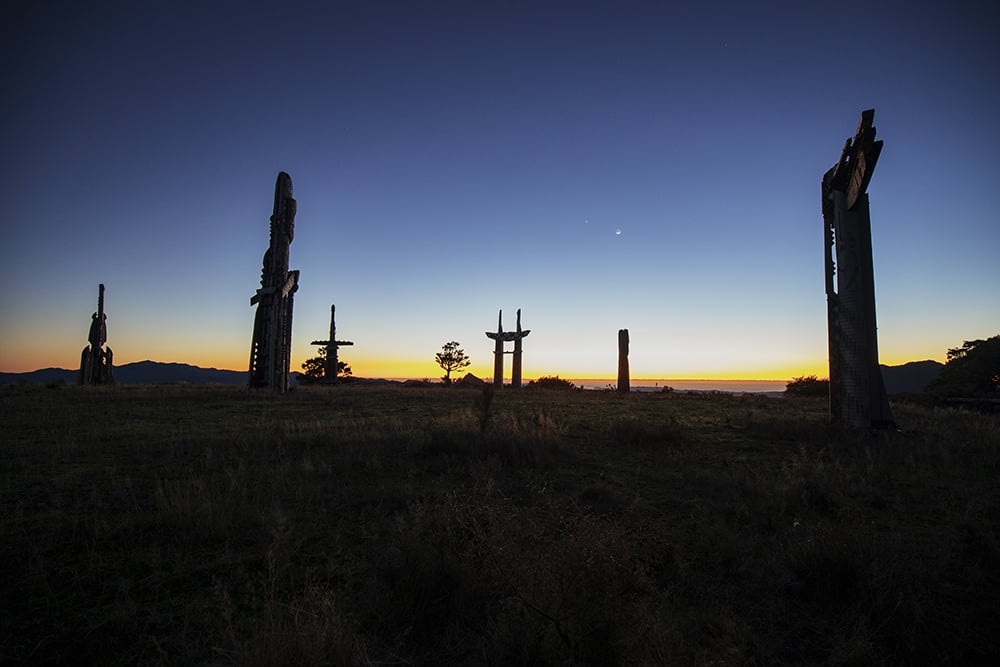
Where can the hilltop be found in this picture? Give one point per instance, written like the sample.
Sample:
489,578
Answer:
139,372
909,378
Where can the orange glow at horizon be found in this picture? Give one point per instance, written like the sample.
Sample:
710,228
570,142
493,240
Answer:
44,358
419,369
390,367
49,350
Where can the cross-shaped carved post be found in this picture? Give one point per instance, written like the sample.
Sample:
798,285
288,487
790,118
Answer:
332,360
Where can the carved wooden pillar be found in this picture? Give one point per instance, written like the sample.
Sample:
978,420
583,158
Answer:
858,398
515,372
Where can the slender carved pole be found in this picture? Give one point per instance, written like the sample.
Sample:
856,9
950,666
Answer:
515,372
332,358
498,354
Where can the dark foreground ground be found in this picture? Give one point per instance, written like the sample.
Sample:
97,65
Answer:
358,525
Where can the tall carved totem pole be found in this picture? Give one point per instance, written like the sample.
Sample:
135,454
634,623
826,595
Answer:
857,393
271,347
96,360
501,337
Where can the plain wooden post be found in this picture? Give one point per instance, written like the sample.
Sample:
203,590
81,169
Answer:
623,377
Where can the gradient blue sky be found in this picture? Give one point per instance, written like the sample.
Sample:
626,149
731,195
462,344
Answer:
453,158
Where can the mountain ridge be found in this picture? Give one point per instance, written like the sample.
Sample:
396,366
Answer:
137,372
911,377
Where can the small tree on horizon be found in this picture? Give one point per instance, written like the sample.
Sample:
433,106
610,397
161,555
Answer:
451,358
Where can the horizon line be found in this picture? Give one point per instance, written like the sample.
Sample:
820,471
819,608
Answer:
578,378
609,379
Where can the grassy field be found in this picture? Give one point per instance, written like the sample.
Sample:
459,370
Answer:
390,525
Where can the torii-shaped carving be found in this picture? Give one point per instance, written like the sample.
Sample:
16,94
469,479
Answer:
501,337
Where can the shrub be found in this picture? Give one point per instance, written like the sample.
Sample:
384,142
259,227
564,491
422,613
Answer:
551,382
808,385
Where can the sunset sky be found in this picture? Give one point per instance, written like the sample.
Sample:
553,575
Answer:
453,158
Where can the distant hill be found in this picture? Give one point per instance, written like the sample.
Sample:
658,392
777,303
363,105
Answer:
40,376
155,372
908,378
140,372
911,378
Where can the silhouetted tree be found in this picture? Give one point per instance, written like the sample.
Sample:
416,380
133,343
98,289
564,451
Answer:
451,358
972,370
808,385
314,368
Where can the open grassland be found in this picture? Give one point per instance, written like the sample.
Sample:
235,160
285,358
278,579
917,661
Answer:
360,525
